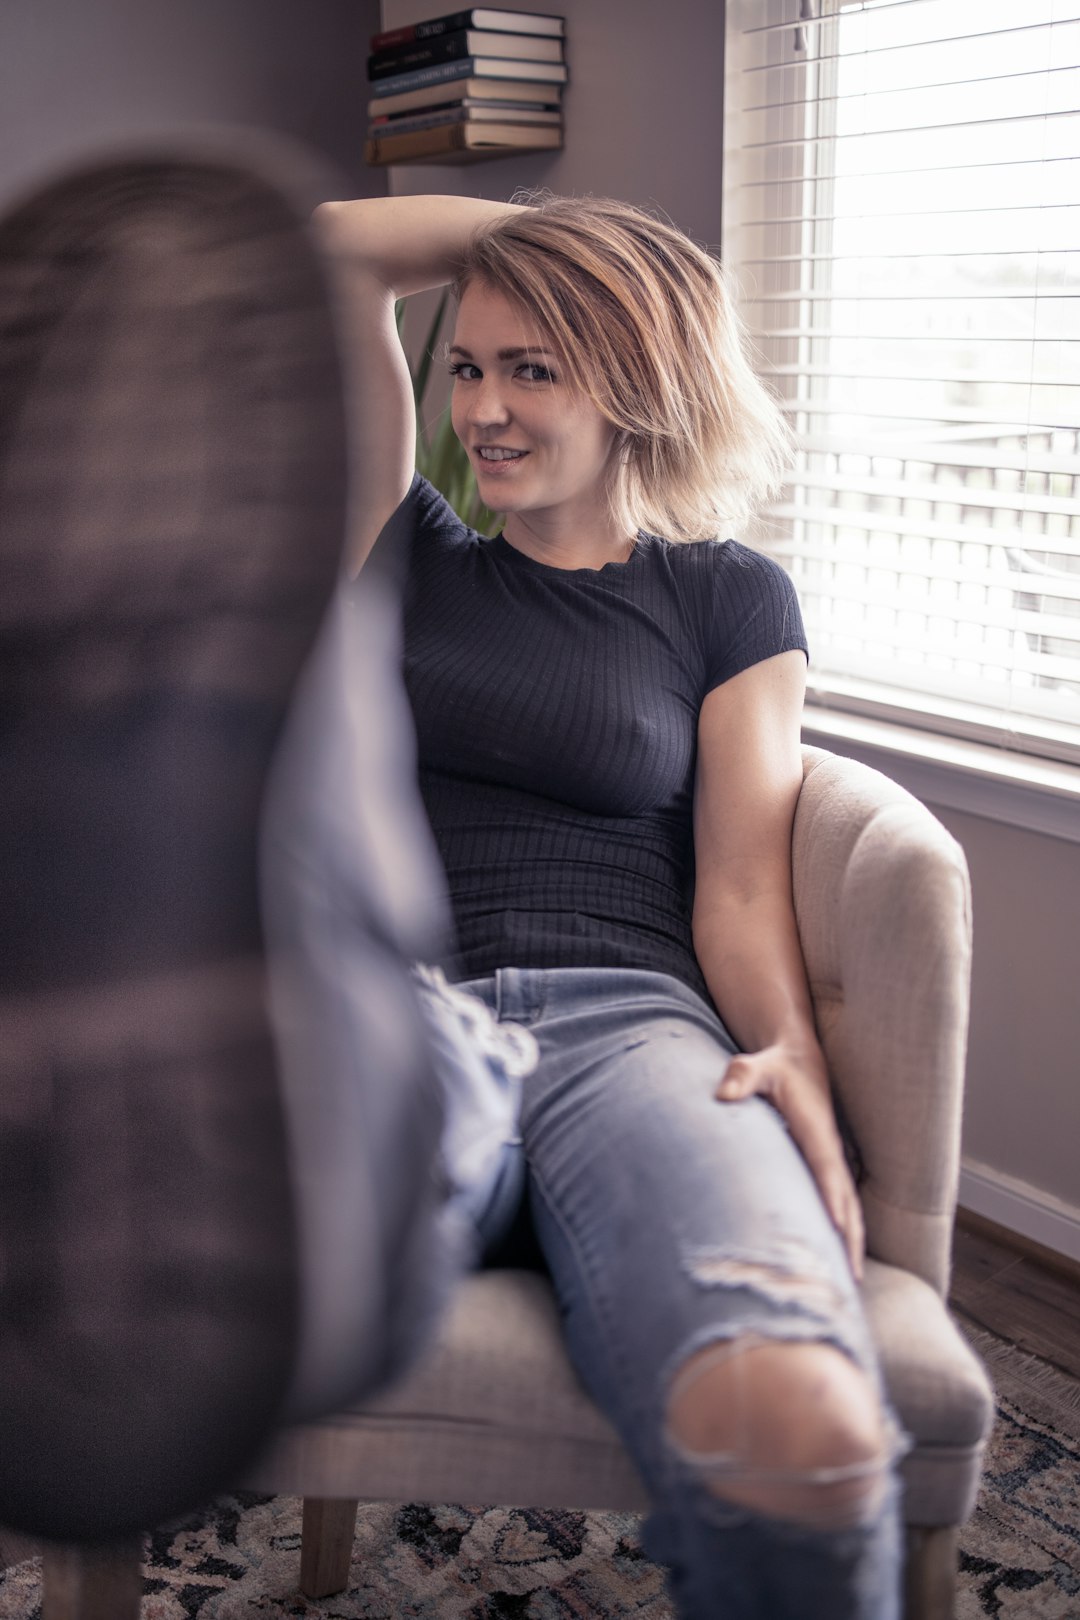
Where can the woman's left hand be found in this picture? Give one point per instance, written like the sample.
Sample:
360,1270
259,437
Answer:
797,1084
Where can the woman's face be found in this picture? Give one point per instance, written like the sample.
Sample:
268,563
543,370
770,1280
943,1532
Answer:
535,443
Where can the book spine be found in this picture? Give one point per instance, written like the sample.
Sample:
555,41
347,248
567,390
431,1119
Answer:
460,143
523,22
377,113
420,143
445,25
440,73
421,53
404,125
401,123
529,92
393,36
425,30
470,67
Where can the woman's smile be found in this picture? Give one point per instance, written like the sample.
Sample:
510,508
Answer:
498,458
536,443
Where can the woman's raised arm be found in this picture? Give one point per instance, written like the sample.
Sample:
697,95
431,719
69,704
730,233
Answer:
382,249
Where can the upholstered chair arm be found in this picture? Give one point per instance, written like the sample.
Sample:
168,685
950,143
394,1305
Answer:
883,904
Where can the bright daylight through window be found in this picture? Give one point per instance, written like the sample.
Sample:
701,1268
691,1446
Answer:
902,216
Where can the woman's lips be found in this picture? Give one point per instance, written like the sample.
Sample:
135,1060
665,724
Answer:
499,464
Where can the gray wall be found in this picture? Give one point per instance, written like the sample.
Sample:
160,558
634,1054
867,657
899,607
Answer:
1022,1111
76,73
644,110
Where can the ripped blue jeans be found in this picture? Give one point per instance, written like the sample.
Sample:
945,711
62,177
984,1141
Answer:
672,1223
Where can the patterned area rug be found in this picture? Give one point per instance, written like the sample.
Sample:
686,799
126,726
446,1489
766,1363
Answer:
1020,1556
1020,1553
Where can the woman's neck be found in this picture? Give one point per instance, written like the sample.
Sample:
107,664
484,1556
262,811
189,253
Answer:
564,541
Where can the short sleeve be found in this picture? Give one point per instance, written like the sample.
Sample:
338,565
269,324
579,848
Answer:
755,612
422,513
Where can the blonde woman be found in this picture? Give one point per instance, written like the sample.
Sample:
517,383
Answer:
607,698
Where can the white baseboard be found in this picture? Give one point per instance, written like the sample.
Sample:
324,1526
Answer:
1020,1207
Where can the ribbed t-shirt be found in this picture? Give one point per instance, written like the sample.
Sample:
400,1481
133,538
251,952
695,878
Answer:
556,714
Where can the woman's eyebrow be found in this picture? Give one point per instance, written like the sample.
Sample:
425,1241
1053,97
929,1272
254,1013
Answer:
503,354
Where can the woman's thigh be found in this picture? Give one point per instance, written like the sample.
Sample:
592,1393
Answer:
670,1221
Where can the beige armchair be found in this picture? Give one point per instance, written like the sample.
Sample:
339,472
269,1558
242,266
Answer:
495,1415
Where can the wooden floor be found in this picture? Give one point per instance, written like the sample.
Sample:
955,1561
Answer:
1018,1291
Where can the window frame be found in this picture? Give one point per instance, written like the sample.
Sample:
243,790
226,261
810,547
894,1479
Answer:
800,268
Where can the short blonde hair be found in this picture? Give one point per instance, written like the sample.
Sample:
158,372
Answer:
641,319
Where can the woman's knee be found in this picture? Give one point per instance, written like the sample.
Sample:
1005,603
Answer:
790,1429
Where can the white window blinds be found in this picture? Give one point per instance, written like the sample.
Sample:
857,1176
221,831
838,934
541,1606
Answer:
902,215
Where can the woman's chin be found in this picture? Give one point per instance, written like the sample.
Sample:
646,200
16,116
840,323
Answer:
496,495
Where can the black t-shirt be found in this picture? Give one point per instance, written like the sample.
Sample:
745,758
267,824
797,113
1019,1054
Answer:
556,714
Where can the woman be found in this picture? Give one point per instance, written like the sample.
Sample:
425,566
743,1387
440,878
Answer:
602,714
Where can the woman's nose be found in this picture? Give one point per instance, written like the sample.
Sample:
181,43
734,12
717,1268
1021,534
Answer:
487,403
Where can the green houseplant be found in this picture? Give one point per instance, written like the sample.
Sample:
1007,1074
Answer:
440,455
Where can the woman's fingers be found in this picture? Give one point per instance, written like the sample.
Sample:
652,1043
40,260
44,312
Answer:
813,1128
842,1202
741,1079
804,1102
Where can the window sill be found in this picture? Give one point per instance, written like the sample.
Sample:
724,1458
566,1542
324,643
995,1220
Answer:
1037,794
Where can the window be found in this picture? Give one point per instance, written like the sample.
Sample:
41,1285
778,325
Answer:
902,216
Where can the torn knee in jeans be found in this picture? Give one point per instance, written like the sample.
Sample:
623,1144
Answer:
784,1423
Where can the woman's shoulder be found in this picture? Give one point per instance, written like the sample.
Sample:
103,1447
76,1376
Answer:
724,564
429,510
746,572
423,529
743,603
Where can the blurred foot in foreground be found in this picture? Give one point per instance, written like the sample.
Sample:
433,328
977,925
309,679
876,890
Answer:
196,1237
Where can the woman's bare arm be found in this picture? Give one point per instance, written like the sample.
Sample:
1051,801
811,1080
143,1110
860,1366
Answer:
381,249
748,780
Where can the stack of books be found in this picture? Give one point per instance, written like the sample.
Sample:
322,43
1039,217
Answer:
475,84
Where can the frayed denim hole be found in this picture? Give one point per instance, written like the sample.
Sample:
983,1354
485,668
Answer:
705,1472
798,1278
794,1278
686,1488
784,1314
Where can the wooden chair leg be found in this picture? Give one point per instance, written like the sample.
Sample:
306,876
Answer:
930,1572
325,1545
91,1583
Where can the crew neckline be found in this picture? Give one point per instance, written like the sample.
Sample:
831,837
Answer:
503,548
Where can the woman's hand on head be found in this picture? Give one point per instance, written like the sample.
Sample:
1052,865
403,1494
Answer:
797,1084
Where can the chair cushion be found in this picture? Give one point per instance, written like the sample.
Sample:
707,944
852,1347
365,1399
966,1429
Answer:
495,1414
939,1390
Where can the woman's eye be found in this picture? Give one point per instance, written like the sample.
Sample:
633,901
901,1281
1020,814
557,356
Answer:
534,372
464,369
